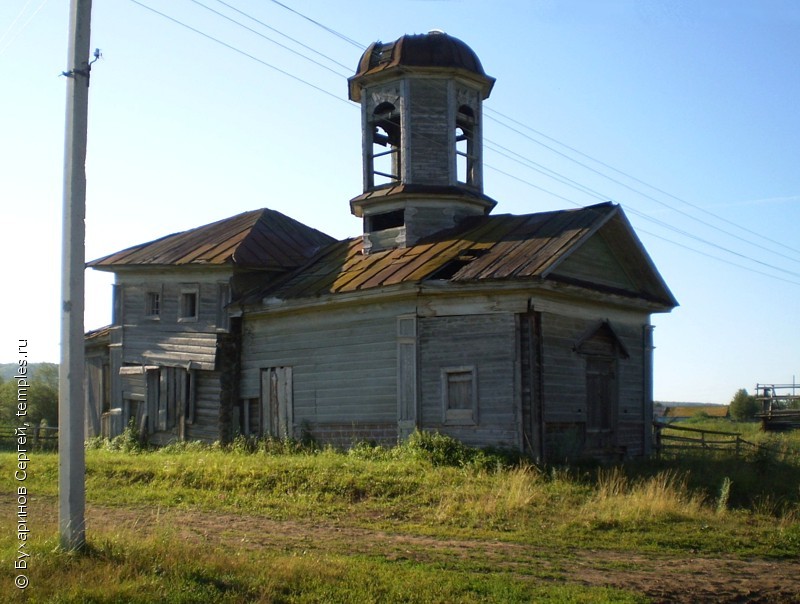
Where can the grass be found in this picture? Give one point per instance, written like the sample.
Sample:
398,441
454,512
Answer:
128,568
429,489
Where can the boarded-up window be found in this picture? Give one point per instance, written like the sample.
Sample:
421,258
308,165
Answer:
459,395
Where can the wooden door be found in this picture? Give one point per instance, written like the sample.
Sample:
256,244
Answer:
600,398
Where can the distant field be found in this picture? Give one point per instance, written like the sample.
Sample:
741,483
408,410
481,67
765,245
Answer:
425,523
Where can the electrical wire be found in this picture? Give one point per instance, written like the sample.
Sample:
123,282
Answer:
645,195
318,24
524,161
11,40
241,52
243,26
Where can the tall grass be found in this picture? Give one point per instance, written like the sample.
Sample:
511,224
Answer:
435,485
621,499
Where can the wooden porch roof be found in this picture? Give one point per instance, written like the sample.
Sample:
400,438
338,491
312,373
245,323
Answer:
256,239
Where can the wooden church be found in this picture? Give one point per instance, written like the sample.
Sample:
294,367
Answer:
531,332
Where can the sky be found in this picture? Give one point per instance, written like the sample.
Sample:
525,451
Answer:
684,112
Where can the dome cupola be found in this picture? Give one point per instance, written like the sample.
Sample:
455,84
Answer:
422,148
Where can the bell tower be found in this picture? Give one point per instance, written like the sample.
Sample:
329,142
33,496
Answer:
422,147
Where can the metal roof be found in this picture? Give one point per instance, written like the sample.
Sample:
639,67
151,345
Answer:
256,239
503,247
435,50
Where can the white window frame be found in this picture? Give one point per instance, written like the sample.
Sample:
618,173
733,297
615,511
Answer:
460,416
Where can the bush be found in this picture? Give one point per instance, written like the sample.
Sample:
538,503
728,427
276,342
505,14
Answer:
743,405
442,450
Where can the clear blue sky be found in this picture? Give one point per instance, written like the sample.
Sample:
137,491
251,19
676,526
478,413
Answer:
697,99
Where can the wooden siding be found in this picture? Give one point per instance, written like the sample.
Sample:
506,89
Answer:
487,342
564,382
595,262
94,390
344,363
429,140
169,339
206,424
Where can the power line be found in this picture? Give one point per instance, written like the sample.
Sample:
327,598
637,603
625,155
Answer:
696,207
318,24
241,52
717,258
599,196
22,27
524,161
277,31
575,184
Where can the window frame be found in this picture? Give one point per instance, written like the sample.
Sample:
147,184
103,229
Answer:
183,315
152,311
462,415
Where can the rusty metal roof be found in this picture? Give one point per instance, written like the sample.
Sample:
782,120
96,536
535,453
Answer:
435,49
256,239
405,190
503,247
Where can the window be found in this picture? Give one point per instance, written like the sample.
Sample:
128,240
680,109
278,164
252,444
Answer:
385,145
152,304
188,303
460,395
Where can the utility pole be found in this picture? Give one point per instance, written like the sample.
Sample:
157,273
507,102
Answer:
71,429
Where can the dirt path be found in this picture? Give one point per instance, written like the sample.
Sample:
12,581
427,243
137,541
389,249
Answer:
662,579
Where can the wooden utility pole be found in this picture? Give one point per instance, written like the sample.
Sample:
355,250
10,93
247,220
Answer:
71,456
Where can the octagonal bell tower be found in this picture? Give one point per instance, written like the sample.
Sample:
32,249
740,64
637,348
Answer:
422,147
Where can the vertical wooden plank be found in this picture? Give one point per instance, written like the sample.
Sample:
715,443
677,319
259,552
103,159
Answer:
286,402
163,386
266,407
406,376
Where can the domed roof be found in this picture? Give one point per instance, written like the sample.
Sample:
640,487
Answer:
435,49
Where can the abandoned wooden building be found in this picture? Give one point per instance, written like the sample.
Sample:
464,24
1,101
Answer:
530,331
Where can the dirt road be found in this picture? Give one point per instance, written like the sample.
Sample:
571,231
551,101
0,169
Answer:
688,580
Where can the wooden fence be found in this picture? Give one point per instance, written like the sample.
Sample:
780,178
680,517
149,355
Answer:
38,439
696,439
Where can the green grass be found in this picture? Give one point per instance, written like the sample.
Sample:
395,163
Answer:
131,569
430,490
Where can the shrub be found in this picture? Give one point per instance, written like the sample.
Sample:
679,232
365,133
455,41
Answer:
743,405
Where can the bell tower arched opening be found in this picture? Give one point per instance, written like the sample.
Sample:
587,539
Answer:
385,151
466,157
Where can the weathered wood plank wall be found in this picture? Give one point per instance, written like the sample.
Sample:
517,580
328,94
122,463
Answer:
486,342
